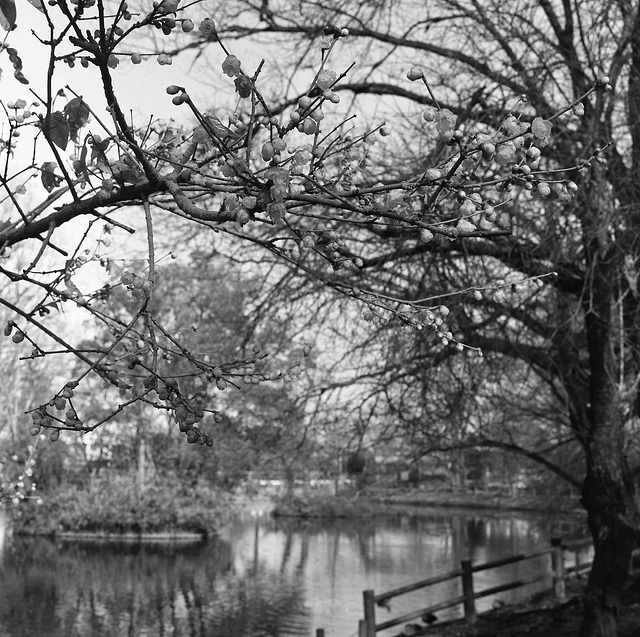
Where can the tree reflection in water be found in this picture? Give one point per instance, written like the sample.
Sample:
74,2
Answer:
111,591
269,577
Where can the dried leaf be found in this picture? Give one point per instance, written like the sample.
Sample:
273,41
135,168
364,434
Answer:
15,60
200,135
98,156
219,128
77,113
49,179
56,129
37,4
126,172
7,14
82,162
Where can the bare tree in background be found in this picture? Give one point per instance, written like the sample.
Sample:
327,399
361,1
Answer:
497,185
578,331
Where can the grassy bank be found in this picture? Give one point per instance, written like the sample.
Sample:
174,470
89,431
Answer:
479,500
315,505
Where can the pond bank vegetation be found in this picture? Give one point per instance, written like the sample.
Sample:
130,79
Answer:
115,506
310,504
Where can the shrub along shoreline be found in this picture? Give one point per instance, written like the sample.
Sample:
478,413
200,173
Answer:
479,500
317,505
115,508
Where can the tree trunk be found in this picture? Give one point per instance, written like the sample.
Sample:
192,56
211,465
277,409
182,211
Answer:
610,511
290,480
141,477
608,492
608,495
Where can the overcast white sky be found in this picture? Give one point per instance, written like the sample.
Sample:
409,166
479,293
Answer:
141,87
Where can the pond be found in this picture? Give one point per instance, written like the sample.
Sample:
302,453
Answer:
261,577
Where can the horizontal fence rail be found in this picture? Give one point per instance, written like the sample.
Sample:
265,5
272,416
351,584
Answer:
558,574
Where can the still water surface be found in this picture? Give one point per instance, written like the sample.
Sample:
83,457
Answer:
262,577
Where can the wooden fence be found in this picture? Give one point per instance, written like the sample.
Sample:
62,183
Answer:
559,573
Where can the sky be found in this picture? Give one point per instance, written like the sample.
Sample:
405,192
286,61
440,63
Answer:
141,87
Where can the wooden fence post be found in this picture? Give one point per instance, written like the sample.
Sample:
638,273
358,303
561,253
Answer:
369,613
467,591
557,564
